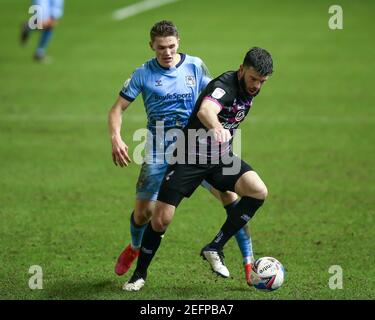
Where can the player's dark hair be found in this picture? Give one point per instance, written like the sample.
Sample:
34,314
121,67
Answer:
163,29
260,59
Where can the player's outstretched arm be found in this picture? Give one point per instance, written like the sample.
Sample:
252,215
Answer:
120,154
207,114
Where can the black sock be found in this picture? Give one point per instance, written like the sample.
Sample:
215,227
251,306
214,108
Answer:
150,244
238,216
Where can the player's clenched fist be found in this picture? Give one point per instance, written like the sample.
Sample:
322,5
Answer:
222,135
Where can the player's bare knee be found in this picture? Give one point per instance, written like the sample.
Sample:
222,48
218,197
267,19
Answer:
162,216
143,211
228,197
147,213
160,224
259,191
157,225
251,185
142,216
263,193
139,218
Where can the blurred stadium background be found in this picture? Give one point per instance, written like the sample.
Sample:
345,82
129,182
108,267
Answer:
65,207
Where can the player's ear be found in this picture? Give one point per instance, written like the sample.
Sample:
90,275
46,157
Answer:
150,43
241,69
178,43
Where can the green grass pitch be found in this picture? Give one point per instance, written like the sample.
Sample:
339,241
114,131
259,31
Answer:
65,207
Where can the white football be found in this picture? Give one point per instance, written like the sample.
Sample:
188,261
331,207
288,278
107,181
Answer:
267,274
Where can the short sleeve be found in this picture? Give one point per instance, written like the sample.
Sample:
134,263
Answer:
219,94
132,86
205,75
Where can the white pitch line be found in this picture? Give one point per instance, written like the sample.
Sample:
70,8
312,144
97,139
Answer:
69,118
82,118
137,8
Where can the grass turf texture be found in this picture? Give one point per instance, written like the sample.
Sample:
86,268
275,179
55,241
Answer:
310,135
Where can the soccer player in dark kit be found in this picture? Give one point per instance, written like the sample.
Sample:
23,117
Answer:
221,107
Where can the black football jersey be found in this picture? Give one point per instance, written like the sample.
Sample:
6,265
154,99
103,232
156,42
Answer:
227,93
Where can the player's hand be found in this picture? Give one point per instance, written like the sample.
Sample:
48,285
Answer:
222,135
120,154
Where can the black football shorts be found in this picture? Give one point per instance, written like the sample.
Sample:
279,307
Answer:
181,180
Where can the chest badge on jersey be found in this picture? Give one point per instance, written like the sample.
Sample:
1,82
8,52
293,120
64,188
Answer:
190,81
240,115
158,83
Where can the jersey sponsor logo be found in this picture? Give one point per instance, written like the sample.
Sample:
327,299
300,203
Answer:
238,106
229,125
218,93
190,81
174,96
240,115
158,83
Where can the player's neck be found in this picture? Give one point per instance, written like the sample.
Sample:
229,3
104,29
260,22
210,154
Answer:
176,60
